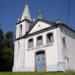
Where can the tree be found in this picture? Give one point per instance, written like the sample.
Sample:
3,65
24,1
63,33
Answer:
1,46
1,35
9,37
9,50
6,50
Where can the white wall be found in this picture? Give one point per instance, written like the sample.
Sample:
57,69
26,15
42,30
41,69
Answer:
19,54
51,51
25,28
24,58
39,26
25,61
70,47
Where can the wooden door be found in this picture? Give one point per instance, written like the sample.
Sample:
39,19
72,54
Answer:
40,61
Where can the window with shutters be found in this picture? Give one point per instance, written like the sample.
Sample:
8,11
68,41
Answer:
50,38
39,41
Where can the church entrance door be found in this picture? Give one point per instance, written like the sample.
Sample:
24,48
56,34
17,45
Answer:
40,62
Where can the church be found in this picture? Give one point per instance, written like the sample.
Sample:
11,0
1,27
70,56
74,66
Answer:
41,45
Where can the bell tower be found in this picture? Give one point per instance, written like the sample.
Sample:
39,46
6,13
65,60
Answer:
24,23
26,13
22,27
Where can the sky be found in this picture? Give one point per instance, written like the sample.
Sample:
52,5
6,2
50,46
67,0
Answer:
11,10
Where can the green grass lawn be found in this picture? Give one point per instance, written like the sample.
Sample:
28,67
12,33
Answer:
37,73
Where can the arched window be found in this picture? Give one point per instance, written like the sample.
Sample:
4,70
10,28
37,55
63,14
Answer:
39,41
30,43
50,38
20,30
64,42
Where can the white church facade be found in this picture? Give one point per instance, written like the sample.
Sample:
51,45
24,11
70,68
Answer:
43,46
